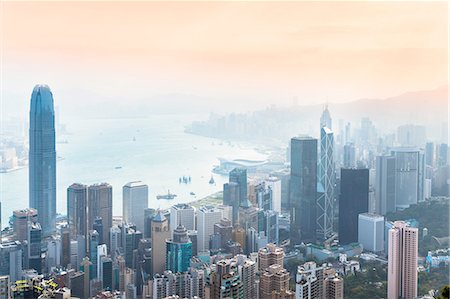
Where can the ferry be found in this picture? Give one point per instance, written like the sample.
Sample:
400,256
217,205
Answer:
211,181
166,196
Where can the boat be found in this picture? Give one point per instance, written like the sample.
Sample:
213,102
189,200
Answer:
211,180
118,167
166,196
134,138
192,193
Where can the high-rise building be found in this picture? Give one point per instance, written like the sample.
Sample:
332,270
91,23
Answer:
76,284
224,229
178,250
409,176
106,274
149,213
274,185
98,226
207,216
270,255
385,185
239,176
65,247
353,200
334,285
20,222
269,225
160,233
11,259
411,135
42,158
349,156
135,201
371,232
274,283
303,190
326,183
225,281
402,261
247,271
442,157
325,118
93,247
182,214
100,205
231,198
86,265
318,282
35,246
190,284
429,154
77,210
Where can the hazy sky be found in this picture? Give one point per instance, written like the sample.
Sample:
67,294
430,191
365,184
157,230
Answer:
230,53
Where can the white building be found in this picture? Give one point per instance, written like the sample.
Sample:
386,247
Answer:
135,201
371,231
207,216
182,214
274,184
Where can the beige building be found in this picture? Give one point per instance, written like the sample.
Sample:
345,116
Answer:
318,282
160,233
270,255
274,283
402,261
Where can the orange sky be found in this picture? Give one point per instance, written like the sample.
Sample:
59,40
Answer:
265,52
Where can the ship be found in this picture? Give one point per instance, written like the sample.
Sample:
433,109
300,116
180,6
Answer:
166,196
211,180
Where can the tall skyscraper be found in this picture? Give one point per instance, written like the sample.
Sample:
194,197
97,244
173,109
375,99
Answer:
402,261
182,214
239,176
135,201
20,222
385,185
318,282
207,216
35,246
178,250
349,156
303,190
160,233
429,154
231,198
270,255
274,185
42,158
327,181
353,200
325,118
100,205
77,210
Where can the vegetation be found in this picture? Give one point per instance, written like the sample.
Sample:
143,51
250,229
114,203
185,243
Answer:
370,283
433,280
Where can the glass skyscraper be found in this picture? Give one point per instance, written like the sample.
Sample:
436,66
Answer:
178,251
42,158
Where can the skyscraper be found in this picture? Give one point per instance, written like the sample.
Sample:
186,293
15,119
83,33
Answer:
270,255
100,205
239,176
274,283
326,180
178,250
371,231
385,185
402,261
42,158
231,198
135,201
77,209
207,216
182,214
274,184
409,176
160,233
325,118
303,190
20,222
353,200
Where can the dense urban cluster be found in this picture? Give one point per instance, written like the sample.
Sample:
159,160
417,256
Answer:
322,212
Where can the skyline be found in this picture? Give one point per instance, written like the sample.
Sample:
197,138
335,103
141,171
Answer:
270,52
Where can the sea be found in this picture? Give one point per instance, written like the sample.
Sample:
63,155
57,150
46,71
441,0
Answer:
155,150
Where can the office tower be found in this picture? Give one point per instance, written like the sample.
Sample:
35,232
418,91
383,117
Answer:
98,226
193,236
353,200
303,190
207,216
86,265
149,213
429,154
182,214
326,183
65,246
42,158
100,205
402,261
160,233
178,250
4,287
371,231
274,184
325,118
274,283
102,251
247,271
114,236
385,185
349,156
11,260
442,157
52,256
263,197
93,246
239,176
231,198
269,225
248,215
20,222
225,230
106,273
270,255
131,241
225,281
409,176
34,246
77,209
239,236
411,135
135,201
76,284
